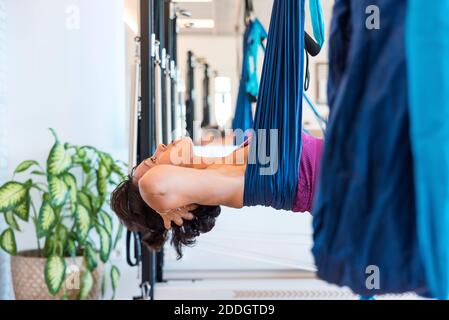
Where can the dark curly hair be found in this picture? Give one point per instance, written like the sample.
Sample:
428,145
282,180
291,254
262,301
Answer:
137,216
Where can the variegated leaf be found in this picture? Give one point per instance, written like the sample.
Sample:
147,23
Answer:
58,190
46,220
25,165
102,180
90,257
115,276
23,210
87,283
70,181
55,267
8,241
82,222
107,221
11,195
59,160
11,220
105,243
84,200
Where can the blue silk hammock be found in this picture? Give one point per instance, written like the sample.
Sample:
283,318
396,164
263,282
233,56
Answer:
383,196
427,53
249,85
253,39
278,116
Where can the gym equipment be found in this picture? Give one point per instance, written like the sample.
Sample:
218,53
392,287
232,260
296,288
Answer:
206,97
190,93
152,113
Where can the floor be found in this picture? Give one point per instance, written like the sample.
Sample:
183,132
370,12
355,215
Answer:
240,289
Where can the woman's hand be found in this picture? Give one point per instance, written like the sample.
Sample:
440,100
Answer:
178,215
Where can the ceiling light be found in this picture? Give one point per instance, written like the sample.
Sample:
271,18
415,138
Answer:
179,1
197,23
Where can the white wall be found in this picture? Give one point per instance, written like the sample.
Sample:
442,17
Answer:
5,287
71,79
221,52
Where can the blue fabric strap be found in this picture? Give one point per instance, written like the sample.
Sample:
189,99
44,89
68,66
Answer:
427,38
364,210
316,14
280,108
249,83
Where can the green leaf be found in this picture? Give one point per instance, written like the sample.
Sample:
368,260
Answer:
8,242
105,243
11,195
89,178
46,219
38,173
70,182
23,210
58,190
62,233
81,152
49,246
71,248
90,257
102,180
107,161
58,160
115,276
25,165
87,283
107,221
82,222
11,220
119,235
84,200
97,203
54,273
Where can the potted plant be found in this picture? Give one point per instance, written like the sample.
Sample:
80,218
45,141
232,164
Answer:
67,201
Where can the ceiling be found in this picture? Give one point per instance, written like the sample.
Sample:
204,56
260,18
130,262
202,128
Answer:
227,14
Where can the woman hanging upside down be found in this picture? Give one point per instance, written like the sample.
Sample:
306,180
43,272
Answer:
177,190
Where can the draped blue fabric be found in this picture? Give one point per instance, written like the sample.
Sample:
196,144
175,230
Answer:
279,107
364,211
317,17
249,84
428,65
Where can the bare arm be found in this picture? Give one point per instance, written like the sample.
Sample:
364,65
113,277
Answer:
166,187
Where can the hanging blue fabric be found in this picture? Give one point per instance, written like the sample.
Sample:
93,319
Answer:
316,14
279,107
365,217
428,66
253,39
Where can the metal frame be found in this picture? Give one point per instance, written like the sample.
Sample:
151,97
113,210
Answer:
151,113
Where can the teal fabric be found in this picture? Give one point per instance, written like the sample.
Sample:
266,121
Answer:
316,14
255,42
427,46
253,39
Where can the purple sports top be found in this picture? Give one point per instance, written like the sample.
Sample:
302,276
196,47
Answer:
312,149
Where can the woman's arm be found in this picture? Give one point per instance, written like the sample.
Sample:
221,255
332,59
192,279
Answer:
166,187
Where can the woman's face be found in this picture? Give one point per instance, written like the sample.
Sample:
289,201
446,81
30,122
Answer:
176,153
